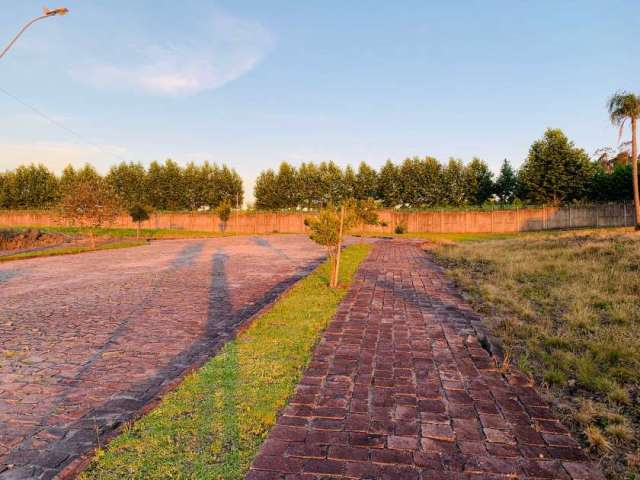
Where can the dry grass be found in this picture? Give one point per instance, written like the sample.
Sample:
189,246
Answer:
567,309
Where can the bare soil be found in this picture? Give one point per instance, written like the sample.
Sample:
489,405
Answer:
13,241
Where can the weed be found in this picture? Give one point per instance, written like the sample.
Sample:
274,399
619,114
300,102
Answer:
555,376
568,302
596,439
619,432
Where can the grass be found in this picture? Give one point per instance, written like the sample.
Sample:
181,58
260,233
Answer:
567,309
212,425
458,237
52,252
149,233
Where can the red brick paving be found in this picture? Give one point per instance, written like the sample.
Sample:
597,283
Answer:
86,341
400,388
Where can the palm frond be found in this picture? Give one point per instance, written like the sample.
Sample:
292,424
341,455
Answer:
621,129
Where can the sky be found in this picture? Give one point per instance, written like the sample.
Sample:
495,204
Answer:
255,83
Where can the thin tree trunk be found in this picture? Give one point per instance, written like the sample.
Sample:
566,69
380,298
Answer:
634,168
339,248
137,230
332,262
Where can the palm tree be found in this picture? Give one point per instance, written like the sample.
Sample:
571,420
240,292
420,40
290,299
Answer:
625,106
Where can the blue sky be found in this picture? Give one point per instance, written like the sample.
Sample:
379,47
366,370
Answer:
252,83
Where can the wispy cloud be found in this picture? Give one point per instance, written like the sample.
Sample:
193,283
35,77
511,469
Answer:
224,49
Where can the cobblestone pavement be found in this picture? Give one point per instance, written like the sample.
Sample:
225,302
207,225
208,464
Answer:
88,340
400,388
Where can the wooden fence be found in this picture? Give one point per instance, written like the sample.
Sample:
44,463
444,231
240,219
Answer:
514,220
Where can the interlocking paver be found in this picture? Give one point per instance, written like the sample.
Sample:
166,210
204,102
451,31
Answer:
400,387
86,341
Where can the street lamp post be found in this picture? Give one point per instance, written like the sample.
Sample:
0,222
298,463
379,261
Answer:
46,14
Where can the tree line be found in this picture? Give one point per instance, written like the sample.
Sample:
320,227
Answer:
161,186
554,172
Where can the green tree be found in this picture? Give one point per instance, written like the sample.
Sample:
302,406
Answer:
331,183
32,187
431,182
506,184
128,181
138,214
555,170
194,184
6,179
389,185
411,182
266,190
153,186
366,185
365,213
90,203
611,186
479,181
223,211
67,180
165,186
328,229
623,107
229,186
454,183
287,186
88,174
310,186
348,183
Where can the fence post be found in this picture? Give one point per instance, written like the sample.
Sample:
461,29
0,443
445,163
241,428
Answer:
624,214
492,218
569,216
597,216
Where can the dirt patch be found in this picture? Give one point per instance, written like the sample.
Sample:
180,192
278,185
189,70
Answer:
12,240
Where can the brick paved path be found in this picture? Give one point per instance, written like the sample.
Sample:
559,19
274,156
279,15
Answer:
400,388
88,340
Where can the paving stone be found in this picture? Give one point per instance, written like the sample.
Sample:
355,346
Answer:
103,333
401,388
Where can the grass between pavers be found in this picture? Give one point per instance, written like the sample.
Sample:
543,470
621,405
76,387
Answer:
212,425
52,252
567,309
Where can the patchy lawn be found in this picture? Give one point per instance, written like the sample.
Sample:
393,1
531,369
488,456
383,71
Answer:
214,423
71,250
148,233
567,309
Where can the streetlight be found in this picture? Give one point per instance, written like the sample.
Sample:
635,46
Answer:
45,14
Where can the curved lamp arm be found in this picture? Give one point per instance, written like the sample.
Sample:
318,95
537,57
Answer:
47,13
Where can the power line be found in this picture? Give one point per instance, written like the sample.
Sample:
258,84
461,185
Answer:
60,125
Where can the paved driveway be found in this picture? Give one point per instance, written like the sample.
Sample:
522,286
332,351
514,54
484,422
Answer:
88,340
400,388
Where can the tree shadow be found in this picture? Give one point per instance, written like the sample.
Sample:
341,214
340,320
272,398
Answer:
265,243
81,436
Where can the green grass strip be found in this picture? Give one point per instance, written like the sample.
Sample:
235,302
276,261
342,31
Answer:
152,233
70,250
212,425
